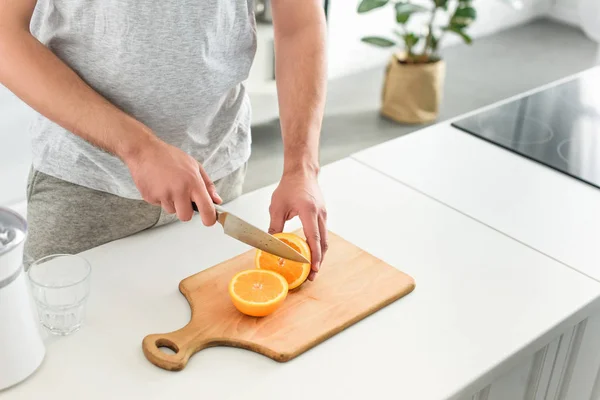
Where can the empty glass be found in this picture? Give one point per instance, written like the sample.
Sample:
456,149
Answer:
60,285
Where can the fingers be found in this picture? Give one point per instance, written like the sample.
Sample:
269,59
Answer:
322,218
210,186
155,201
205,206
203,195
278,219
183,208
310,224
323,233
168,206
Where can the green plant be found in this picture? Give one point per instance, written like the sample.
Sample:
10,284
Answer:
423,47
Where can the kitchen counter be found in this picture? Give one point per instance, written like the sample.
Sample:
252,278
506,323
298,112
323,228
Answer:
484,304
547,211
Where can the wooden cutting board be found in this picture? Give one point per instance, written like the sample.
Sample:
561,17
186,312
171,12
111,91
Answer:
352,284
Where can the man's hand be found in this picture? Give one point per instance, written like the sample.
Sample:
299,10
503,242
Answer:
171,178
298,194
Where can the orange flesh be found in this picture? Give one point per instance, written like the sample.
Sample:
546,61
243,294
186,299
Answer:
294,272
257,288
257,293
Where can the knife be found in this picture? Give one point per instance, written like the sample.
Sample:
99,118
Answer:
243,231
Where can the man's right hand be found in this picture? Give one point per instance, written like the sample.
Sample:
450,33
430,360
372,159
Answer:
169,177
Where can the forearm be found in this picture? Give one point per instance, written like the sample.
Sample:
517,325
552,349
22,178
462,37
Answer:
45,83
301,83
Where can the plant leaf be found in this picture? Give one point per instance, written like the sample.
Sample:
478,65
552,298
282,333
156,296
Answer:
463,16
441,3
466,12
461,33
405,10
411,39
368,5
378,41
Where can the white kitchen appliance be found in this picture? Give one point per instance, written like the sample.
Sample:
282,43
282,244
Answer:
558,126
21,346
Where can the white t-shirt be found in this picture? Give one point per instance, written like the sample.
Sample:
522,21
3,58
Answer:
175,65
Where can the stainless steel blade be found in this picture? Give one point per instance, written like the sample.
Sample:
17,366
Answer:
241,230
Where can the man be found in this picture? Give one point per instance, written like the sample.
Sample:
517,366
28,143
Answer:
142,112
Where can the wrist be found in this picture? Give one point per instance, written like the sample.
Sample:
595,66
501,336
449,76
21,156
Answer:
301,152
304,168
136,140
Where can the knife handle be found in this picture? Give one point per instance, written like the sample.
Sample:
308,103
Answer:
220,211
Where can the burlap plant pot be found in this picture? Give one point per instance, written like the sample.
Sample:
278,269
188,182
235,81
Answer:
412,93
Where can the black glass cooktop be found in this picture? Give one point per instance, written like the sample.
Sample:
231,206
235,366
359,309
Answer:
558,127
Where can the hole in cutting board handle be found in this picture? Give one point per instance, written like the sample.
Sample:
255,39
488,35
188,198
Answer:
164,345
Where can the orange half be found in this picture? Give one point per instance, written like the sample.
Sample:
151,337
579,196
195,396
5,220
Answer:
294,272
257,293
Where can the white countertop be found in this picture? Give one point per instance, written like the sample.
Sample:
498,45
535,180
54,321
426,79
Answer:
482,303
545,209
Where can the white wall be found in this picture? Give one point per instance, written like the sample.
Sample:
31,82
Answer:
565,11
581,13
348,55
15,154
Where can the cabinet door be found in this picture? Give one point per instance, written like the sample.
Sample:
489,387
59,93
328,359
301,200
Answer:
568,368
579,378
514,385
527,381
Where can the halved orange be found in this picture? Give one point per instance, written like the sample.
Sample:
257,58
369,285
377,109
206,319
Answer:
294,272
258,292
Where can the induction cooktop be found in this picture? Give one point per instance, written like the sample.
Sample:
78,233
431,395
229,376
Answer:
558,127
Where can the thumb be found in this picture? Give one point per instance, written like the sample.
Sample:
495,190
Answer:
210,186
277,221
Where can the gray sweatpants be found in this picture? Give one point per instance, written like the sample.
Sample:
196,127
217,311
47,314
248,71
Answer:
65,218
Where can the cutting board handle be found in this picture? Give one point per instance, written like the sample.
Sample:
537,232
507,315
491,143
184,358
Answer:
179,342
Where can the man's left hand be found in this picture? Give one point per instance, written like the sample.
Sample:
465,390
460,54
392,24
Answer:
298,194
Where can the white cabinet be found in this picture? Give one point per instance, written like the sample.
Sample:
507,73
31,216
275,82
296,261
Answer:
583,367
529,380
515,385
565,369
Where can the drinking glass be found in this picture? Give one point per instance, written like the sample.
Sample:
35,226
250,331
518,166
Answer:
60,286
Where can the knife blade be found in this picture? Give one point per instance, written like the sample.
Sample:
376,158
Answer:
245,232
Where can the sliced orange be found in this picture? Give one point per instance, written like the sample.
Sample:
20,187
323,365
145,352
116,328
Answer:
294,272
258,292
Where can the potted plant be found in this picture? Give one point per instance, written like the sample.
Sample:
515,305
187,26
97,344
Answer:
413,87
